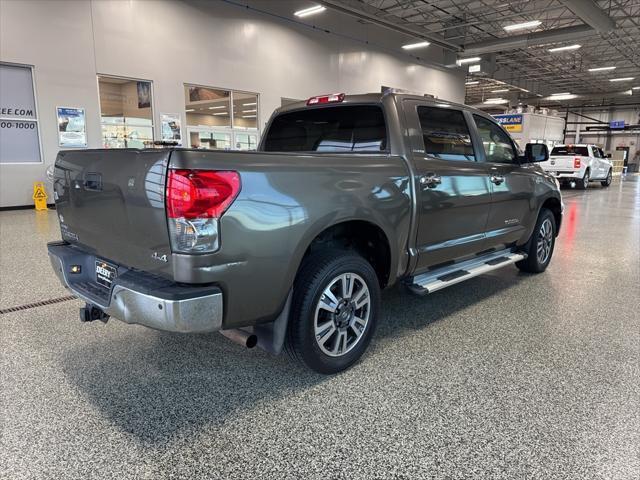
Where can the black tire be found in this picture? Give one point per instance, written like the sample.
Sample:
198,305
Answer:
607,181
534,263
318,273
583,183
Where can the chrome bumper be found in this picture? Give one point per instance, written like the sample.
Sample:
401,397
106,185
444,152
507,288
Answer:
201,313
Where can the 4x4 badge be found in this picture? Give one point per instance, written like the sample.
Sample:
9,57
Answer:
162,258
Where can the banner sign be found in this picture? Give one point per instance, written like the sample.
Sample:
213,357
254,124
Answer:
18,120
511,122
72,129
619,124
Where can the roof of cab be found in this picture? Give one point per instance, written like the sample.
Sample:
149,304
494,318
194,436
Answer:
374,98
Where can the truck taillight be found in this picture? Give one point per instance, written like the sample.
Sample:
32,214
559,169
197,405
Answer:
196,199
576,162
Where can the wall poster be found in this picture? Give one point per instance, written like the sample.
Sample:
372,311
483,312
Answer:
72,129
171,129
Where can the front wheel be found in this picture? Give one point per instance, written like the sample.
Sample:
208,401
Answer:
607,181
539,248
336,299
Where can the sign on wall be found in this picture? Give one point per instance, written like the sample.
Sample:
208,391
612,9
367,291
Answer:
171,129
510,122
72,130
19,138
616,124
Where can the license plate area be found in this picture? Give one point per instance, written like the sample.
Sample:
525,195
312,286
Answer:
105,273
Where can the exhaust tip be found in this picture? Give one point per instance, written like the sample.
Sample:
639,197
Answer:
252,341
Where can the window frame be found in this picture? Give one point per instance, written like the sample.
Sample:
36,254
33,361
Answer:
152,106
37,114
385,152
485,158
470,128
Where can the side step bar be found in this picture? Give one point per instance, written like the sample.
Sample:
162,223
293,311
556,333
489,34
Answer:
435,280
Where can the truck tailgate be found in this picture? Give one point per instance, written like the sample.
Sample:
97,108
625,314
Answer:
112,203
560,163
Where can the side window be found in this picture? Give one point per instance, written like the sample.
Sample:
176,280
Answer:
602,154
445,133
596,152
498,147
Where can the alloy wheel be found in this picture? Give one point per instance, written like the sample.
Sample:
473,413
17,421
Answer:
342,314
545,241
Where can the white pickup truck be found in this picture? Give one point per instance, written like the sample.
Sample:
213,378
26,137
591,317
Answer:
578,165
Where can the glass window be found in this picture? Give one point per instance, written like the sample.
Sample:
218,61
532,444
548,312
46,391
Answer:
498,147
246,141
596,152
19,139
207,107
245,110
445,134
126,112
569,150
344,128
210,140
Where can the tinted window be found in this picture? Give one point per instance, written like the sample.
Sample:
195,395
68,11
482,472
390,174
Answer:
498,147
570,150
596,152
445,134
348,128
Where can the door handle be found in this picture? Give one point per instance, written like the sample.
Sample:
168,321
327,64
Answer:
497,179
430,180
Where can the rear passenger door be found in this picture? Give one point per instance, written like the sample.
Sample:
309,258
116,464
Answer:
452,187
598,163
512,185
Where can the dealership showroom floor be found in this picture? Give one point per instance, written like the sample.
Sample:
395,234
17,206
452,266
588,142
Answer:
506,375
306,177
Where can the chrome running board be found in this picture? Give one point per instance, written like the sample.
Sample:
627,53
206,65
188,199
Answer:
435,280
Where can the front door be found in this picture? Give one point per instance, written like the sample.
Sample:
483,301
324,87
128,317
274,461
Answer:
452,186
512,185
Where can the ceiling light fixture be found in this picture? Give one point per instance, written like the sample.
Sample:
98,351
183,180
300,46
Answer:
635,88
190,110
310,11
501,90
474,68
495,101
218,107
567,96
562,93
221,113
411,46
601,69
249,111
621,79
249,104
562,49
462,61
475,82
523,25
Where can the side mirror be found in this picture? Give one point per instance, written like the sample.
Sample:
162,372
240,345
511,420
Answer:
608,155
536,152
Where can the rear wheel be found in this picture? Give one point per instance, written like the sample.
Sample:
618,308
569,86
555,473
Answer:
539,248
607,181
336,299
583,183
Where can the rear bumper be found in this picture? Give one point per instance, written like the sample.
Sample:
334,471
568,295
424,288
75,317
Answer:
564,175
137,297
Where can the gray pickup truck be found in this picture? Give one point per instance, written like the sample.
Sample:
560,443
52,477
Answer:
288,247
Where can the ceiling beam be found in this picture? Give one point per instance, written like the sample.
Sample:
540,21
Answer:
375,16
528,39
590,14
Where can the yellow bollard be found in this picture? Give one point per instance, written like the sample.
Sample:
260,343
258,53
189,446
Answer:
39,195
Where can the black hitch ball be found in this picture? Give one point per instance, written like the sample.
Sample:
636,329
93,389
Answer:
90,313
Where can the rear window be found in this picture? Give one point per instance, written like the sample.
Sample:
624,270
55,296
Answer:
345,128
570,150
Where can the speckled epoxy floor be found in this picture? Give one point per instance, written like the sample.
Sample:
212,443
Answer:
505,376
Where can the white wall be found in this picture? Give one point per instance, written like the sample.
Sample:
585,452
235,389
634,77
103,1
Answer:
172,43
608,141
